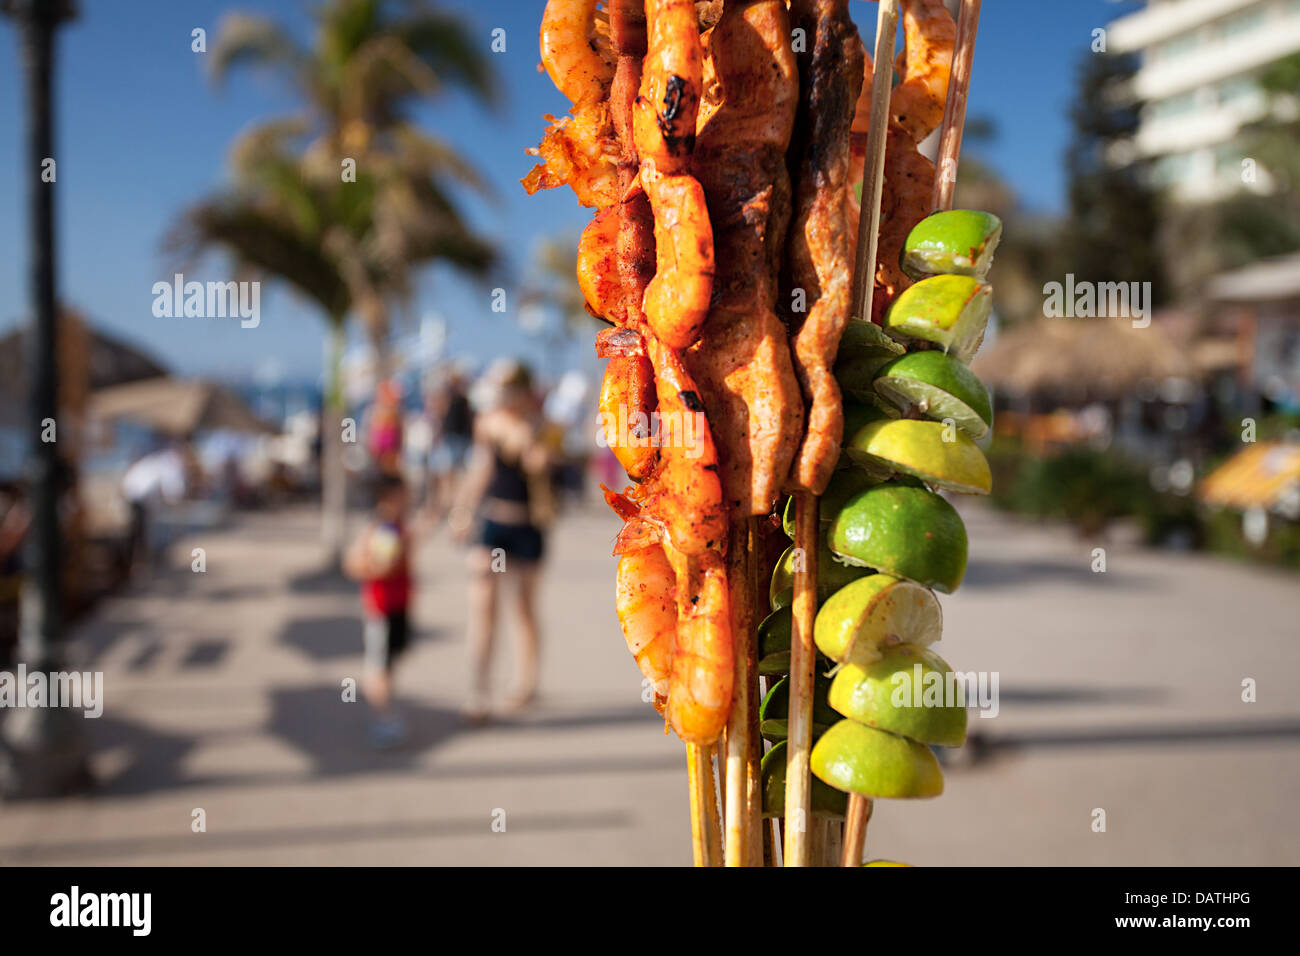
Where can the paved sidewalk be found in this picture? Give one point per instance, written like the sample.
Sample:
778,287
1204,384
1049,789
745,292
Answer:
1119,691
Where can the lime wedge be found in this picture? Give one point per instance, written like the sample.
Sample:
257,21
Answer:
949,311
856,373
774,642
861,337
844,484
832,574
774,711
936,385
826,801
960,241
928,450
906,693
863,619
875,763
904,531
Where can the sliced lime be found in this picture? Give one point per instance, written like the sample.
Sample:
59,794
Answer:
931,451
960,241
909,692
949,311
939,387
859,759
860,621
905,531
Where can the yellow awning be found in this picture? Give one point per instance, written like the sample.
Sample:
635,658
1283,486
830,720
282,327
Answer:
1258,476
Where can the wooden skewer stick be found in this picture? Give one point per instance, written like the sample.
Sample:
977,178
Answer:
706,842
945,181
753,772
864,282
798,783
954,112
737,842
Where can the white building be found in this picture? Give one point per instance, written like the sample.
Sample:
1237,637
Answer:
1197,78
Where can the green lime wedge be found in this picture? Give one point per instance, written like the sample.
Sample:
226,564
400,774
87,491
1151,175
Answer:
949,311
844,484
866,338
856,373
960,241
938,455
826,801
832,574
905,692
774,642
774,711
937,386
856,758
774,645
904,531
885,863
863,619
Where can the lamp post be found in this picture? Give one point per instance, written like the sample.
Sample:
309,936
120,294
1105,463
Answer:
43,751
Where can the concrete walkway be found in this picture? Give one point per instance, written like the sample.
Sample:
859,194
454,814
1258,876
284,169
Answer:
1119,691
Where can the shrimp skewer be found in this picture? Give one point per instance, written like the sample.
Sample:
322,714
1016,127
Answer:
580,150
578,62
819,242
699,696
664,115
645,600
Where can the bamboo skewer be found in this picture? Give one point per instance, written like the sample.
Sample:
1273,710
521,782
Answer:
706,842
798,784
945,182
738,833
954,112
873,181
753,772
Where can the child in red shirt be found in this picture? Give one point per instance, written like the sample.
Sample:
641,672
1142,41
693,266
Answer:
380,560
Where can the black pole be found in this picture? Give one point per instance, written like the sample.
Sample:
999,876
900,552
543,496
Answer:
44,750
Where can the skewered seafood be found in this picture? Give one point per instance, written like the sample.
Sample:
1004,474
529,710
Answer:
663,131
820,245
742,360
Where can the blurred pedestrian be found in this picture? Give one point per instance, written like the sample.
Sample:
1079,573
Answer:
385,431
507,494
380,558
162,477
453,420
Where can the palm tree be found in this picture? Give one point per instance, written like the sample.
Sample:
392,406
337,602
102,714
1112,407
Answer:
346,197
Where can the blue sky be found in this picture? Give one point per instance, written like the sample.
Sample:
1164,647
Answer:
142,133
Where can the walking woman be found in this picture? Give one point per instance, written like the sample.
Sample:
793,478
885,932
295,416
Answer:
505,501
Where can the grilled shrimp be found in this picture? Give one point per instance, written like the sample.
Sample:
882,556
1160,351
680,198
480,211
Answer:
598,275
645,600
684,494
576,50
677,299
917,103
627,401
687,482
663,127
699,693
581,150
664,121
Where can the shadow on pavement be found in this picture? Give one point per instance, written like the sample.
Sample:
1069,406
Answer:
982,573
322,580
1065,695
313,836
